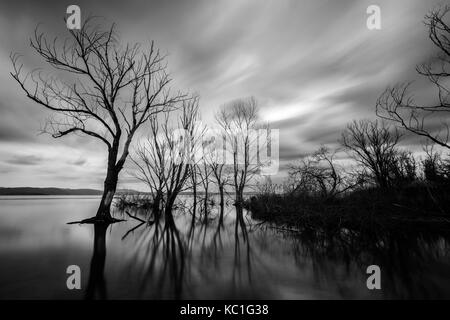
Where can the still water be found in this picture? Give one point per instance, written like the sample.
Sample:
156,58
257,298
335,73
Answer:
197,260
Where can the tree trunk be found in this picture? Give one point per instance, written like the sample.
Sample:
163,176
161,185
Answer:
109,189
156,205
169,206
239,198
221,205
194,212
205,207
194,192
205,212
110,185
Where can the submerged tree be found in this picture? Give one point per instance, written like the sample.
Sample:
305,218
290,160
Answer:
239,122
205,174
107,91
164,160
397,104
221,174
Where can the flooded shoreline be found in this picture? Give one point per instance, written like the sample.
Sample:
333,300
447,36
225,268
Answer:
182,259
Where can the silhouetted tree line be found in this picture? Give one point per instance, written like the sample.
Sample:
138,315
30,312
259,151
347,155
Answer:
375,160
380,177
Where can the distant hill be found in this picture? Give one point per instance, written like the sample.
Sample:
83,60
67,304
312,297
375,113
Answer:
29,191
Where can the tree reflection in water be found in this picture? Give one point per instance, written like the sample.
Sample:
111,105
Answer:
96,287
412,260
173,251
183,255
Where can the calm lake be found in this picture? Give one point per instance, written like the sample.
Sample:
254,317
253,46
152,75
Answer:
249,260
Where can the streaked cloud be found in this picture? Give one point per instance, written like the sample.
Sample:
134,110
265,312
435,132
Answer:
24,160
312,65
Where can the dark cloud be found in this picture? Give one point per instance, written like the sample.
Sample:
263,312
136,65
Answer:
290,153
11,132
6,169
25,160
325,136
78,162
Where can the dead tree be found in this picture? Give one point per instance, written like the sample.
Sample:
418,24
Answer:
239,122
374,146
318,174
222,178
164,160
113,90
212,170
397,104
149,161
193,186
205,174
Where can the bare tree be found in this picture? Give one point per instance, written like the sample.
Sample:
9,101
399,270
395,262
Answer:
150,159
374,146
397,104
205,173
318,174
222,179
164,161
214,160
404,167
431,163
239,122
436,168
113,91
193,186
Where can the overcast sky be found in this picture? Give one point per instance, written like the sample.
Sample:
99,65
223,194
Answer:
312,65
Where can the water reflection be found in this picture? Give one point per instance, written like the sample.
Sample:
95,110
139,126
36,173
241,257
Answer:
96,287
167,256
192,255
199,250
413,260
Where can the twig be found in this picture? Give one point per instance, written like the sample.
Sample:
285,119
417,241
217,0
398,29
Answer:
134,217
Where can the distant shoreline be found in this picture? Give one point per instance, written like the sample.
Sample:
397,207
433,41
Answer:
35,191
31,191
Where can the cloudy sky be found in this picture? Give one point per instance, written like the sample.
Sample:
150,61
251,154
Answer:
312,65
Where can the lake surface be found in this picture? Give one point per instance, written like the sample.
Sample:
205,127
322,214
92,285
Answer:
203,261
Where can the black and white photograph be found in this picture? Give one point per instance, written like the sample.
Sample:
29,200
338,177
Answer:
224,150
